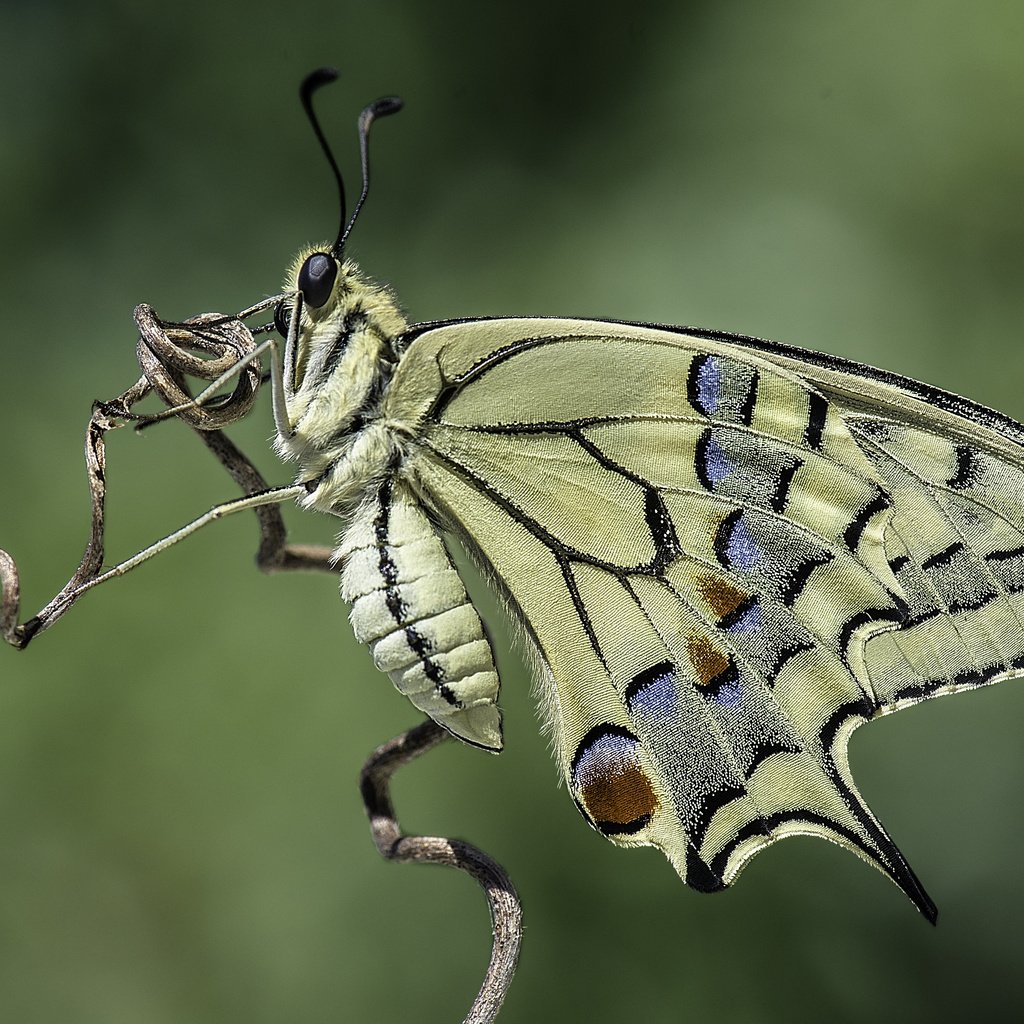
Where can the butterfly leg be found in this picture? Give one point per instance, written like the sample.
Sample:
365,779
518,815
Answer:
272,496
274,554
165,354
60,604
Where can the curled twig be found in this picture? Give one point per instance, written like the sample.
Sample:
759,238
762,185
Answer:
19,635
393,844
166,356
10,599
165,353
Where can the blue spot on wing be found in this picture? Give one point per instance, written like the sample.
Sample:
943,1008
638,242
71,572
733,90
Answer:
608,753
741,550
729,694
709,385
653,691
716,463
747,618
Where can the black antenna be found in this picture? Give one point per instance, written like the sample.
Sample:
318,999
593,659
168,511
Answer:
379,108
313,81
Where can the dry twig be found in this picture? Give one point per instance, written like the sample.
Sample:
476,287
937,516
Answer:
166,353
393,844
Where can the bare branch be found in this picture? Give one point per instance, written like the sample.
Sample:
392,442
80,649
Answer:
165,354
103,419
10,600
393,844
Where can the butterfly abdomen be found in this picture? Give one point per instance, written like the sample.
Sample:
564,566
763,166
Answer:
410,607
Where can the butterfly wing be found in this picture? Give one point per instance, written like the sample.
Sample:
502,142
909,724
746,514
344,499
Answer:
952,469
723,565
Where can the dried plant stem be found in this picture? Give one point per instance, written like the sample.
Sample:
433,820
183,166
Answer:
20,634
393,844
166,356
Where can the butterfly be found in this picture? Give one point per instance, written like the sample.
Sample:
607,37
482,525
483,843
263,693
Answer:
722,554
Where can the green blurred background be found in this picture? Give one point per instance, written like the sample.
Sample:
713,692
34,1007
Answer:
180,834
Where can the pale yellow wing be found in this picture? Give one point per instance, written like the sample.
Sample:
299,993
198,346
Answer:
726,557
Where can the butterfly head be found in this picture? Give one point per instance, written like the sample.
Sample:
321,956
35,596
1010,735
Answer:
340,349
338,325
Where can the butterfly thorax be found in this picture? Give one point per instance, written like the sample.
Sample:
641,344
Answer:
337,365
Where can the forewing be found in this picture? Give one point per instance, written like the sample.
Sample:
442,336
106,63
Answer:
953,471
705,548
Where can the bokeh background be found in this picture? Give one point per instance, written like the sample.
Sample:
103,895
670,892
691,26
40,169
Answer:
180,833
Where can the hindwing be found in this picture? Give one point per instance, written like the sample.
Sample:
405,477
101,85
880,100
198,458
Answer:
727,555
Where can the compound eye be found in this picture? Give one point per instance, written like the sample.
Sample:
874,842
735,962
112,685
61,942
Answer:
316,279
